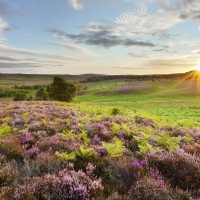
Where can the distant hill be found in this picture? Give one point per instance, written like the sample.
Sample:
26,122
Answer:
30,79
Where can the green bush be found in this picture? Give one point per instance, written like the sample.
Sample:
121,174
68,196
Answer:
20,96
61,90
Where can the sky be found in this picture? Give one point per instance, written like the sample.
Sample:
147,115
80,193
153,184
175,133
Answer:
99,36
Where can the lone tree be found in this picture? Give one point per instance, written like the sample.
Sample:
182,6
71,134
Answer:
61,90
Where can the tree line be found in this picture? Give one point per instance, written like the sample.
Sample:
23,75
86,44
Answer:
58,90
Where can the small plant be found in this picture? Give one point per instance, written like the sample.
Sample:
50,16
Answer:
5,130
115,127
171,143
65,157
25,115
7,120
189,138
127,129
44,122
114,150
85,152
67,134
115,111
84,136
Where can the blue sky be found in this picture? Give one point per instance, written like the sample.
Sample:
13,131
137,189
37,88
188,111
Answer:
99,36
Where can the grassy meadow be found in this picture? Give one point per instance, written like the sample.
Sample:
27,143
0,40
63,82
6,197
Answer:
118,140
173,101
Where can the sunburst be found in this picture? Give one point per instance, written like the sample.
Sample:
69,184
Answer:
197,68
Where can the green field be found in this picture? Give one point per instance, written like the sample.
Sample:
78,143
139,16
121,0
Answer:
173,101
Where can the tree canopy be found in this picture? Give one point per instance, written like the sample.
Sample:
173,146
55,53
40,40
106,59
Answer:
61,90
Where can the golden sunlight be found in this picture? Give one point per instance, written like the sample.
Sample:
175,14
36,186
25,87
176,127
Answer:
197,68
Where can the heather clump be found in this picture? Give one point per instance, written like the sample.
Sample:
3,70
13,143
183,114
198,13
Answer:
45,149
151,188
66,184
57,143
181,169
10,148
8,172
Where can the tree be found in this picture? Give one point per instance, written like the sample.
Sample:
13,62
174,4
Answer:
61,90
20,96
42,94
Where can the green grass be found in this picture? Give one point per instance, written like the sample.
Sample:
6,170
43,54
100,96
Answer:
169,101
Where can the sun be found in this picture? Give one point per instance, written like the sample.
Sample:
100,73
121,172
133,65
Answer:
197,68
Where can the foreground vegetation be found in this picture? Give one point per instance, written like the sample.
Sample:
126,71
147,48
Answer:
52,150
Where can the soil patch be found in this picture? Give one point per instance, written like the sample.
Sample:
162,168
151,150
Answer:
125,89
128,88
81,92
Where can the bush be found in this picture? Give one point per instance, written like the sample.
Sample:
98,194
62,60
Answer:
8,172
11,148
61,90
149,188
180,169
20,96
67,184
115,111
42,94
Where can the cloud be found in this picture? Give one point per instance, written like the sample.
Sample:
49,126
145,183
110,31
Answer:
16,58
5,65
140,22
76,4
188,43
186,9
13,50
101,36
79,4
160,50
136,55
74,48
6,9
5,58
3,26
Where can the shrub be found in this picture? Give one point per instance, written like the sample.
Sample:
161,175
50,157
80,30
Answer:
20,96
67,184
61,90
8,172
180,169
151,188
115,111
11,148
27,139
119,176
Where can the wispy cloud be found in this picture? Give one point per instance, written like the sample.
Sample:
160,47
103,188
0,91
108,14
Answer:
74,48
14,50
186,9
7,9
3,26
136,55
140,22
76,4
16,58
188,43
104,37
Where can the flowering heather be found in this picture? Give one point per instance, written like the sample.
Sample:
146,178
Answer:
33,152
134,157
26,138
67,184
138,164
